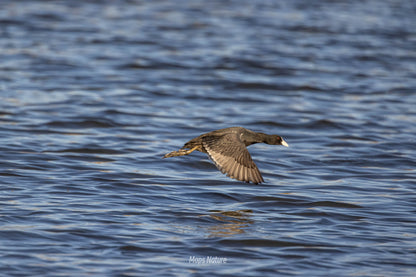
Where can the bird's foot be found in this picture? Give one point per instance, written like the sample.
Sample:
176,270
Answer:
180,152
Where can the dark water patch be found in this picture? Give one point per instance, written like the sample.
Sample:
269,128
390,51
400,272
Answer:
214,196
10,174
334,204
93,123
270,243
133,248
284,201
92,149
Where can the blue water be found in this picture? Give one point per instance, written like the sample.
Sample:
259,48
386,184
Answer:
94,93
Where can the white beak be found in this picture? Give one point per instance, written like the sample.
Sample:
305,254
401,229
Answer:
284,143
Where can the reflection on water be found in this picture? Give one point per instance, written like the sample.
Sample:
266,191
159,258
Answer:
232,223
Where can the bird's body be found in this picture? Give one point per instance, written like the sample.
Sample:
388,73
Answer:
227,149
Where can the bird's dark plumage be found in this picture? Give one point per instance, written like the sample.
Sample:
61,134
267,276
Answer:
228,150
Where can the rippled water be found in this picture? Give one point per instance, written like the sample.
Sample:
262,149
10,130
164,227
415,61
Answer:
94,93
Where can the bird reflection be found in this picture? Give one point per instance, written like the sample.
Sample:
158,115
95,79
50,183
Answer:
231,223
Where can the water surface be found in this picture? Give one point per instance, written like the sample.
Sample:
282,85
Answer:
94,93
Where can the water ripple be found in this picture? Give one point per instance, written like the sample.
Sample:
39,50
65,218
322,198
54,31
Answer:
94,94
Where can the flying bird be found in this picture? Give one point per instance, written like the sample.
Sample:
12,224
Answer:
227,148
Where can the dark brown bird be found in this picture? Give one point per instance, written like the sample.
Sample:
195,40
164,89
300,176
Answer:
227,148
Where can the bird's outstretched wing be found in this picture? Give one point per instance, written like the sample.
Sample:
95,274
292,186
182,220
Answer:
231,156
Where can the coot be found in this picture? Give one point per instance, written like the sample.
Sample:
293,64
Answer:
227,148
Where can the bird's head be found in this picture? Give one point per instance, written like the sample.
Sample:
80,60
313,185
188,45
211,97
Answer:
276,140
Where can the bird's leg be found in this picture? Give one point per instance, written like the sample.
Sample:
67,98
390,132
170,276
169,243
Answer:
180,152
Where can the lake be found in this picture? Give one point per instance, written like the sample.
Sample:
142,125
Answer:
94,93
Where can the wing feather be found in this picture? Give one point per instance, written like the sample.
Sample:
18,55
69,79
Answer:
231,157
